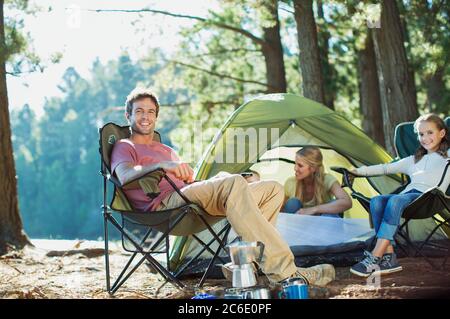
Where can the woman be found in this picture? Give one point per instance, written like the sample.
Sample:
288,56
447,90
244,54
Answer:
311,191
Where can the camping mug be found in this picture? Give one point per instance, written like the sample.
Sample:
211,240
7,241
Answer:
294,288
295,292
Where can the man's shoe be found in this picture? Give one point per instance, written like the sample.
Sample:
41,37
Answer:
319,275
367,266
389,264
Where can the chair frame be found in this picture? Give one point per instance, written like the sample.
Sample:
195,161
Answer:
135,216
409,213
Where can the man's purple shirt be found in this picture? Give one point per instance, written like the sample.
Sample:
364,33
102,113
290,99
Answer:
125,151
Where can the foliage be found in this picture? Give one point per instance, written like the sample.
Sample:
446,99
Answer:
57,155
216,68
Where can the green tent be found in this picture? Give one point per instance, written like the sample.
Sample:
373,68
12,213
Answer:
264,134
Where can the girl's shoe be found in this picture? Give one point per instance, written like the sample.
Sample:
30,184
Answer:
367,266
389,264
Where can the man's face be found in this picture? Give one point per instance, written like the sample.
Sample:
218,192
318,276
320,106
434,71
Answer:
143,116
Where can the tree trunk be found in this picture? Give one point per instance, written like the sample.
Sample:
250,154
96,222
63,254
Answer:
369,92
313,86
329,73
11,232
397,87
273,54
436,92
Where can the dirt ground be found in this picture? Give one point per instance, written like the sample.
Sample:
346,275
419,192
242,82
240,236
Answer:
79,272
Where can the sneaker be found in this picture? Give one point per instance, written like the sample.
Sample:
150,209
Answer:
319,275
389,264
367,266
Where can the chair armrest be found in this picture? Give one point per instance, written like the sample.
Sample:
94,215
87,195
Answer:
133,184
347,176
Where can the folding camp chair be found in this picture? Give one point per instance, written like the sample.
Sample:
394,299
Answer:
432,204
137,228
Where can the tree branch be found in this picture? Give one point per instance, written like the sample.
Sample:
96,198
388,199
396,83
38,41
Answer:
224,51
219,74
245,33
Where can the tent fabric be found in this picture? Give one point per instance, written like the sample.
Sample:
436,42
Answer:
263,135
315,235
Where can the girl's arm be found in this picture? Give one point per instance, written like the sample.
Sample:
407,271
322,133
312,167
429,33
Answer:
341,204
401,166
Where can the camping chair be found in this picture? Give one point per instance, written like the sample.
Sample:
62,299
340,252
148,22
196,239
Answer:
137,228
432,204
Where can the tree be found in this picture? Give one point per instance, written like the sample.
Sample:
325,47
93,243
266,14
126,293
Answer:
369,92
396,80
429,50
11,230
328,70
272,51
269,43
312,76
368,86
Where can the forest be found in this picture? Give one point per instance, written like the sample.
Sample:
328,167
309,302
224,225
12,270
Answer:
378,63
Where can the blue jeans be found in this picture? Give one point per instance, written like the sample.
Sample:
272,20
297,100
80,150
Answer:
386,211
294,204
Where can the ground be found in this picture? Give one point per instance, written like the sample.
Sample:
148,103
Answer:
77,270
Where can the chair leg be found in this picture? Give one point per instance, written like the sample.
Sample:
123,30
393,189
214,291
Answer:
205,246
164,272
167,252
418,250
118,283
211,263
105,228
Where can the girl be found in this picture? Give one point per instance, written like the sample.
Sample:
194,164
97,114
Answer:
425,169
311,191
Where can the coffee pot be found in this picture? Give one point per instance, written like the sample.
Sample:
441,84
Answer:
243,256
243,252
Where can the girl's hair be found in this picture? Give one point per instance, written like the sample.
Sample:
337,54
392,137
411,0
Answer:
440,124
313,157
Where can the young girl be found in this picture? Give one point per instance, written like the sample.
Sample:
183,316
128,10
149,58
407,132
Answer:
311,191
425,169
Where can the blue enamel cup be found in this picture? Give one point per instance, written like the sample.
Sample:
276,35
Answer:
294,288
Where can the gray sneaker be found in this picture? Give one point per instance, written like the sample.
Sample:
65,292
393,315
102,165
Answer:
389,264
366,267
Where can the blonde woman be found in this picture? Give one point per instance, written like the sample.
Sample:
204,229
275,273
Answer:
311,191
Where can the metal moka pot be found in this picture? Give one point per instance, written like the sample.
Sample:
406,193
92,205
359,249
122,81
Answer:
242,252
243,276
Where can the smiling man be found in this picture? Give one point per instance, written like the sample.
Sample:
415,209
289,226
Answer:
250,208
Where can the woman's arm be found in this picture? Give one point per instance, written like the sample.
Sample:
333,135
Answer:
341,204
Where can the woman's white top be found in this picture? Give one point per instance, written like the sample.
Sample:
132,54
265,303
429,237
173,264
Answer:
424,174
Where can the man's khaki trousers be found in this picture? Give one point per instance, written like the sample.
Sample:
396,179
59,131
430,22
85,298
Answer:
251,209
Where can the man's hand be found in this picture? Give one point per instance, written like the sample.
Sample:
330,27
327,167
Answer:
181,170
307,211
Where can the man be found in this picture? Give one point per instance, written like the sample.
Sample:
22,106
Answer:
250,208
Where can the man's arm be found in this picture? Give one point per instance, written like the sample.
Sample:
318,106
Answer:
127,172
